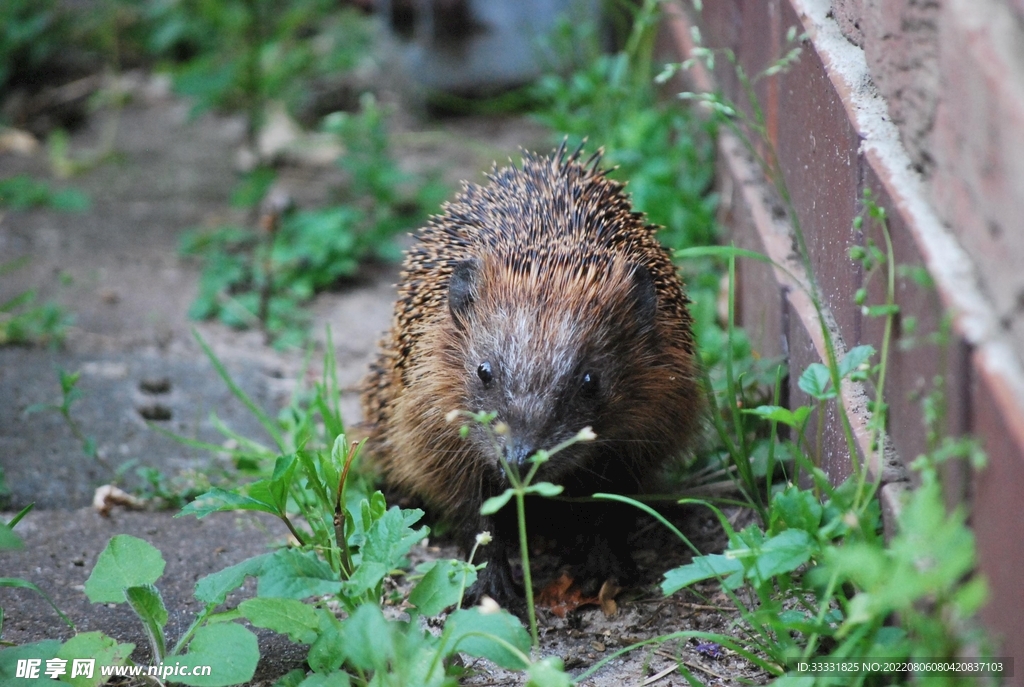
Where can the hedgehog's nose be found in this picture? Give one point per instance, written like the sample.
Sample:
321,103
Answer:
517,453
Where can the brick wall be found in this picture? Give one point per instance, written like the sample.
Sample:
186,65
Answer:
922,102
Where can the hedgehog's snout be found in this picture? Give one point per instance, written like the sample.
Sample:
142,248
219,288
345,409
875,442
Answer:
517,453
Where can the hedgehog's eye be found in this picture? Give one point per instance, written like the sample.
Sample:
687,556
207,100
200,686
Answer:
484,372
589,385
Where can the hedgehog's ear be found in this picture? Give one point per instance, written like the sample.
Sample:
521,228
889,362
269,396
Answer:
462,290
645,294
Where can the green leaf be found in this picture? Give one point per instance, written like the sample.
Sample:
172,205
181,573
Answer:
367,639
228,648
20,515
720,252
882,310
293,678
8,539
284,616
545,489
25,584
364,580
328,651
218,499
44,650
442,586
548,672
854,358
293,574
496,636
793,418
815,382
338,678
796,508
96,645
70,200
252,187
127,561
495,503
391,537
236,390
782,553
214,588
702,568
147,603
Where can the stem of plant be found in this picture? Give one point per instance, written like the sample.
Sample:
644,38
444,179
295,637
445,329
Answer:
527,578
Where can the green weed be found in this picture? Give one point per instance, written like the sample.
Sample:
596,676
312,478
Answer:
22,192
324,590
70,393
821,579
262,277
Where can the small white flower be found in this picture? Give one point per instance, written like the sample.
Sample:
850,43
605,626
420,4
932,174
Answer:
489,605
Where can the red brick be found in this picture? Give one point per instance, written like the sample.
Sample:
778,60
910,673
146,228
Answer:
998,526
914,362
848,14
817,149
901,49
830,451
979,148
759,298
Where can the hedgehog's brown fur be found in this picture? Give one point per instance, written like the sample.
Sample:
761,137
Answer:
554,278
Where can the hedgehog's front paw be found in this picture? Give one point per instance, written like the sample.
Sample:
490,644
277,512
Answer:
495,581
605,560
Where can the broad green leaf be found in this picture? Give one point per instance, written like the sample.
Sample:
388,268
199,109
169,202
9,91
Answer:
338,678
365,579
214,588
95,645
477,633
293,574
495,503
126,562
702,568
328,651
293,678
545,489
366,638
44,650
796,508
391,536
815,382
548,672
793,418
284,616
230,650
218,499
854,358
442,586
8,539
272,491
147,603
782,553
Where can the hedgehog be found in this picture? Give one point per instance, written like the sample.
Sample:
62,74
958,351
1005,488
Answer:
544,298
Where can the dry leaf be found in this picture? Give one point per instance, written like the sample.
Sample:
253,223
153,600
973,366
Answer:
606,598
108,496
560,597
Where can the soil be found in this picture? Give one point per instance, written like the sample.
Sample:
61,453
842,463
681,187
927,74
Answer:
117,269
